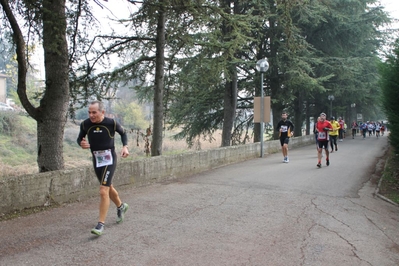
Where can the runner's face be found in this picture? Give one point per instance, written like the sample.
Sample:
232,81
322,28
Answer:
322,118
284,116
95,115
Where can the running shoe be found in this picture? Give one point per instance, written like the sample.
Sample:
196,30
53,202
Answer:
120,212
319,165
287,160
98,230
327,162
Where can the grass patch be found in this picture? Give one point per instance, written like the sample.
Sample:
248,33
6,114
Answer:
18,146
390,178
14,152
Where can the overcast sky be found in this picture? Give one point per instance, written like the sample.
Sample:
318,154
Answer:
392,7
121,8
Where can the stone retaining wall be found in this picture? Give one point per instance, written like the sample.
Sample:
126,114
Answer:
41,189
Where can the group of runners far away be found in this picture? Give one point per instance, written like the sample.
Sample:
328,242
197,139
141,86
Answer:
327,133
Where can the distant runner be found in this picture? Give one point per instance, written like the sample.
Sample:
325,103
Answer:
377,129
323,127
363,128
286,129
334,134
370,128
342,128
354,128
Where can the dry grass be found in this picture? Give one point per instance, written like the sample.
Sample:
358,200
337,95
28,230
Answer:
18,151
23,169
75,157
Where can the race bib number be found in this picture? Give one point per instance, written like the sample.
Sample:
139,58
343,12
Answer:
322,136
103,158
284,128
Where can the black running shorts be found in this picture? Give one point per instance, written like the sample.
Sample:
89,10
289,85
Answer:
105,173
323,144
284,140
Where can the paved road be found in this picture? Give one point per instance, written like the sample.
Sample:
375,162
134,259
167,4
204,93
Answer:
260,212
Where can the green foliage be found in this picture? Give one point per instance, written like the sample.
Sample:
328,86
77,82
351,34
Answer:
335,54
389,71
131,115
9,123
315,48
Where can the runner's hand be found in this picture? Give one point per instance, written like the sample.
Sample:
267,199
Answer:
84,144
124,152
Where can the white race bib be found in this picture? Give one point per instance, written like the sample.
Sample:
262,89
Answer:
103,158
322,136
284,128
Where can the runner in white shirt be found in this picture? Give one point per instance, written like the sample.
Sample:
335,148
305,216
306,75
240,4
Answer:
370,128
377,129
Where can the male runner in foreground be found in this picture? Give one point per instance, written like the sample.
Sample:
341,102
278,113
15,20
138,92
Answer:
101,132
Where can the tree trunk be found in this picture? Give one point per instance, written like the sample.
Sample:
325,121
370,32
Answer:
298,114
277,110
275,34
298,124
230,88
230,106
52,113
156,146
257,94
307,118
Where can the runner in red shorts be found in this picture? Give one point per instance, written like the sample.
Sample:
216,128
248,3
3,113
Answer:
323,127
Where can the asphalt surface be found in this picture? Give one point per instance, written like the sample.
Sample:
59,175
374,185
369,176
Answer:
259,212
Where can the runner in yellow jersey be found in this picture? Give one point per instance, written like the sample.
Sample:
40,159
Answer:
334,134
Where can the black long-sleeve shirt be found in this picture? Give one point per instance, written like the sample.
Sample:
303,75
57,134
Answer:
101,135
287,127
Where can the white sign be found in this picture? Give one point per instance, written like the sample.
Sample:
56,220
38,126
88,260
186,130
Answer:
359,117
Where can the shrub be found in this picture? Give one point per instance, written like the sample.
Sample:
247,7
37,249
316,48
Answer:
389,71
8,123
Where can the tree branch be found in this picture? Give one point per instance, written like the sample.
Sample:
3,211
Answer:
21,59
